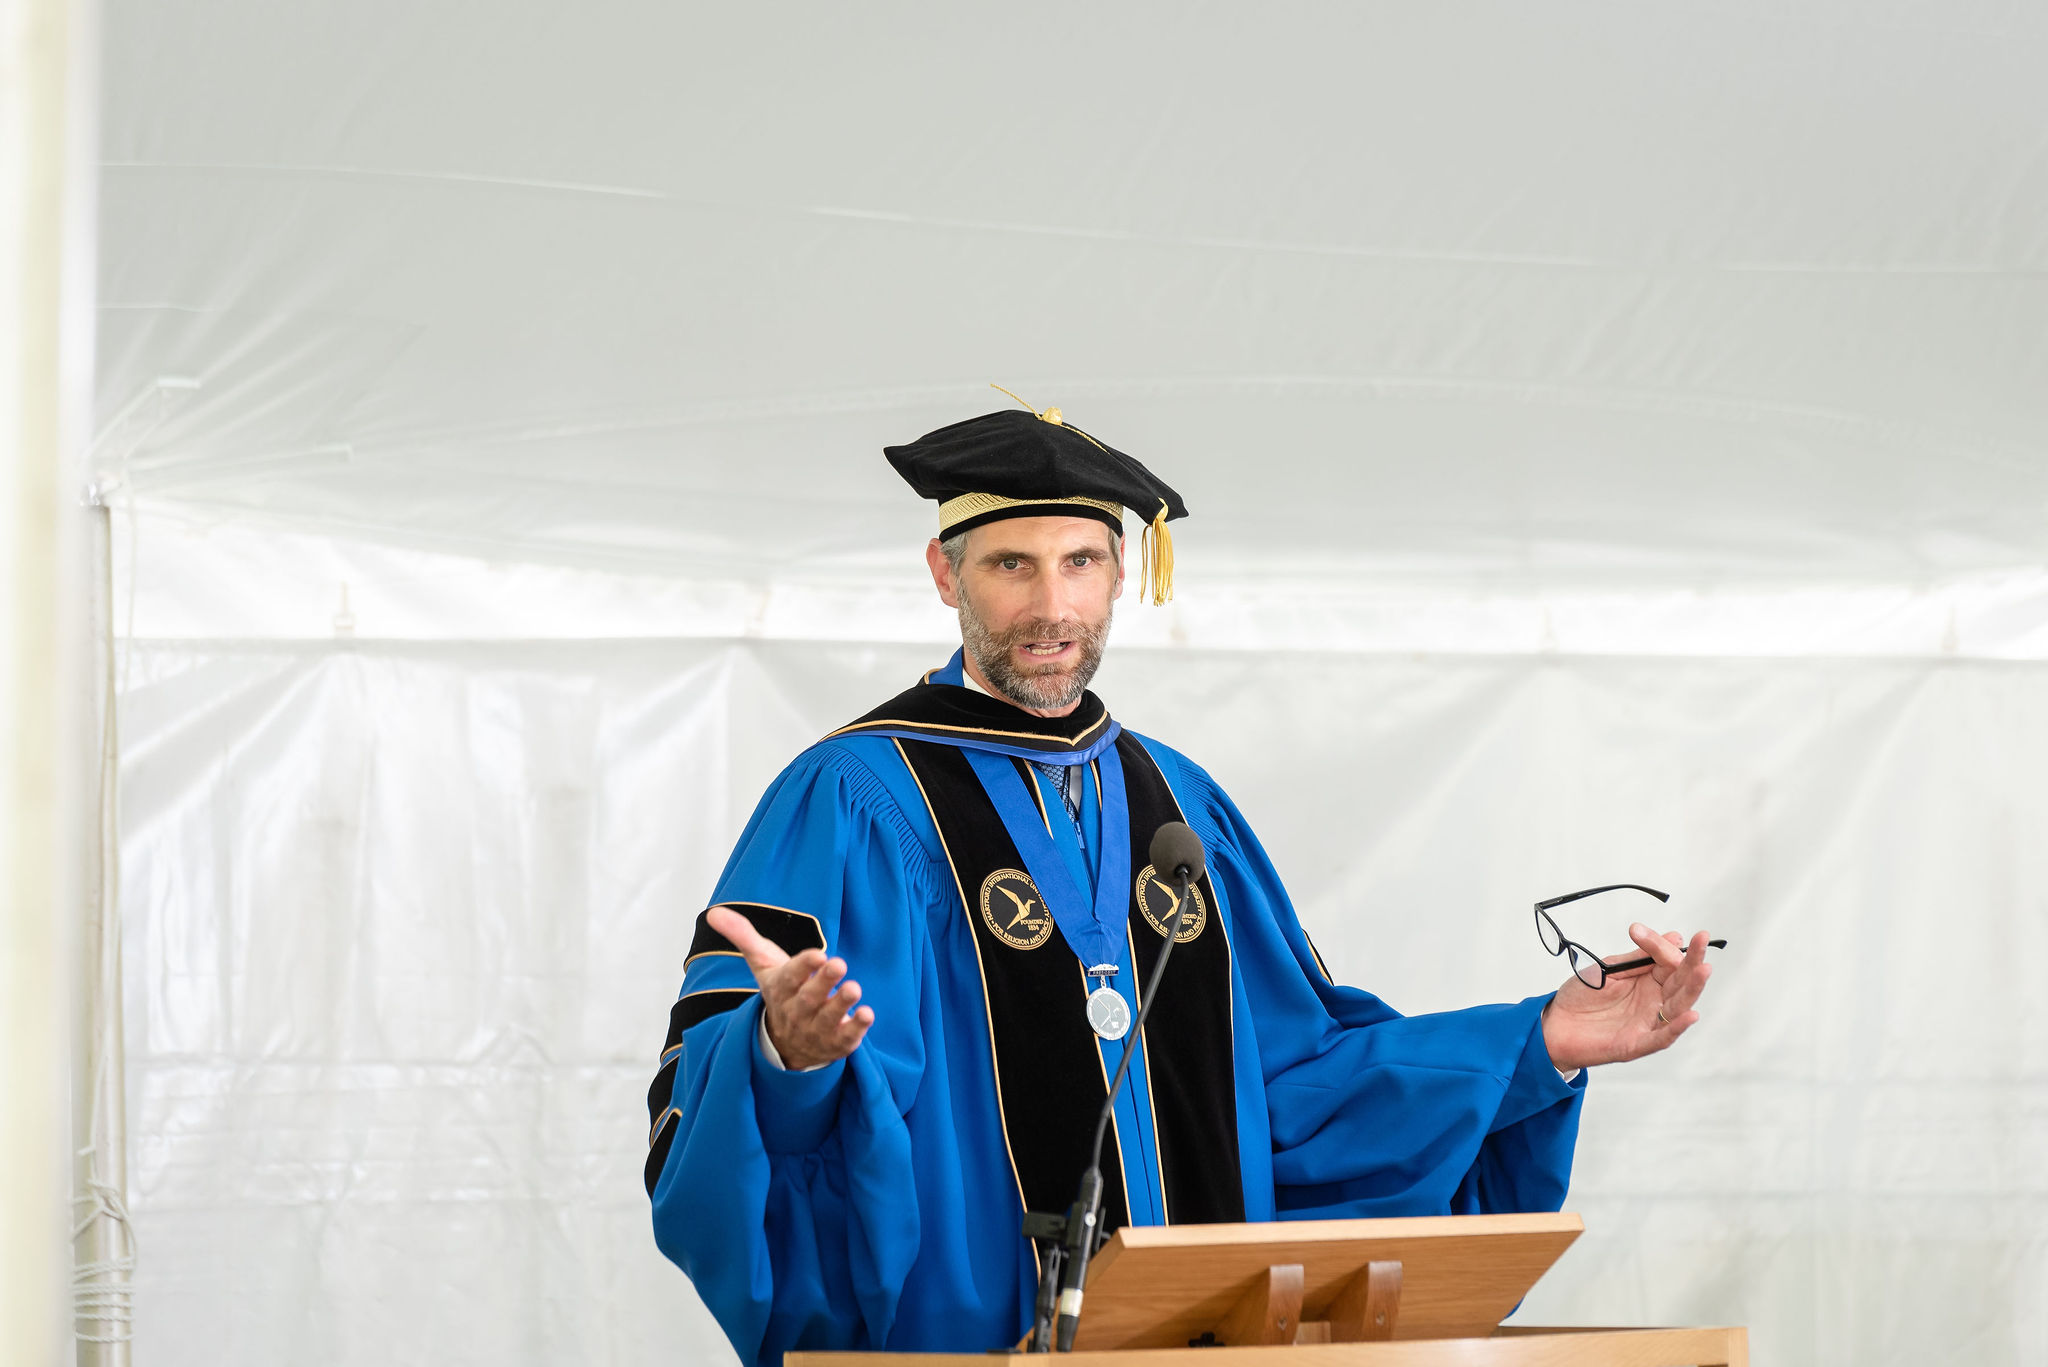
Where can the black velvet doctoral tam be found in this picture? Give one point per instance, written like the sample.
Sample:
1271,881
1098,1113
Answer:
1022,464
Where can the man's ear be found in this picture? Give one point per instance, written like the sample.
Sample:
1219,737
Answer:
942,573
1119,545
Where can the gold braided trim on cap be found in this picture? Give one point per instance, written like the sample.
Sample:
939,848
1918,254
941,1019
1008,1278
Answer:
974,505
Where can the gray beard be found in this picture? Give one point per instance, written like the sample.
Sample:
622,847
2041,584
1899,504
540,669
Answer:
1053,688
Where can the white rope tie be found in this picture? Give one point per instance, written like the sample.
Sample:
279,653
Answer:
102,1293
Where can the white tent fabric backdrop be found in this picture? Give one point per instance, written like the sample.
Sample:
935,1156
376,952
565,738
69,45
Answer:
1617,439
1474,295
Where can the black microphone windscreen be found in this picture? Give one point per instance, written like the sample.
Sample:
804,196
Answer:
1175,845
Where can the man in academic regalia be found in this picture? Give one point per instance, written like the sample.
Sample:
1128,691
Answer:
842,1164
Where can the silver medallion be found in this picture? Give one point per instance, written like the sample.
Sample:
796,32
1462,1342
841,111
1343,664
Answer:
1108,1013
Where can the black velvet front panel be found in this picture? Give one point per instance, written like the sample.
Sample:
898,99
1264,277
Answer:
1048,1069
1188,1035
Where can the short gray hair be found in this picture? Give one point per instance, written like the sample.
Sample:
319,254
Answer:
955,547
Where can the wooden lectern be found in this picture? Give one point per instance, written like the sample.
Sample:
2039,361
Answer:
1360,1293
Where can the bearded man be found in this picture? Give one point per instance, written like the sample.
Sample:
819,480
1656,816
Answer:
842,1164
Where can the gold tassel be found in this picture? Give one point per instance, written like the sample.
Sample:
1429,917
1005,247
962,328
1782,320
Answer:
1156,552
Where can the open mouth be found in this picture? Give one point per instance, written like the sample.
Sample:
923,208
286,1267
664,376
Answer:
1045,650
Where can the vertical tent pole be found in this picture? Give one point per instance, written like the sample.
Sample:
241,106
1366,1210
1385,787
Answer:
45,377
103,1244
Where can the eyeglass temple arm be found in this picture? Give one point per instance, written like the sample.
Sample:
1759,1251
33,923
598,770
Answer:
1646,961
1611,887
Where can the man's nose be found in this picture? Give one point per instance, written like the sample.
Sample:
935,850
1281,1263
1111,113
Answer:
1053,598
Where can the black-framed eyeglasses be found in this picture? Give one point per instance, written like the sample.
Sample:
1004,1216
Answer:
1589,967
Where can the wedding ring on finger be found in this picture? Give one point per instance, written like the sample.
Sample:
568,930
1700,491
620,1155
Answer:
1662,1019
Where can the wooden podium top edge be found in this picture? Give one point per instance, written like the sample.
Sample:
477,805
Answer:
1721,1347
1313,1231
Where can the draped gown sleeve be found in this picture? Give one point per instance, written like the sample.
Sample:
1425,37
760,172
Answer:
1373,1113
788,1196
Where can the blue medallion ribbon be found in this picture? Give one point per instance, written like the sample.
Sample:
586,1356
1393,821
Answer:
1095,927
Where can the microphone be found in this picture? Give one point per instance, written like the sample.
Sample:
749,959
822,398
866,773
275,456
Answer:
1177,853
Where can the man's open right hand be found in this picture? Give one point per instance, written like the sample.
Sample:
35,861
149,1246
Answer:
810,1006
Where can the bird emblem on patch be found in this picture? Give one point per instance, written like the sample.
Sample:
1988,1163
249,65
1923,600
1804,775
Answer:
1159,898
1013,911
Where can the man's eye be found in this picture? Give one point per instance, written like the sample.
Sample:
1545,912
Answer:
1082,562
1012,563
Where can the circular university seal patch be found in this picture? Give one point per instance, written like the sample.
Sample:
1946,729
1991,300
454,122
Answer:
1158,897
1013,911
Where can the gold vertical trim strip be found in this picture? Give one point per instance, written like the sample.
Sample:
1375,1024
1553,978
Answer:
1222,924
1145,1046
995,1063
1317,955
1030,776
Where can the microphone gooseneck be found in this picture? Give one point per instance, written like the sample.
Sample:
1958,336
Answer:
1177,853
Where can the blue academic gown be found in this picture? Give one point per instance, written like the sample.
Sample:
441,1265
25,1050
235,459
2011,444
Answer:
871,1203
